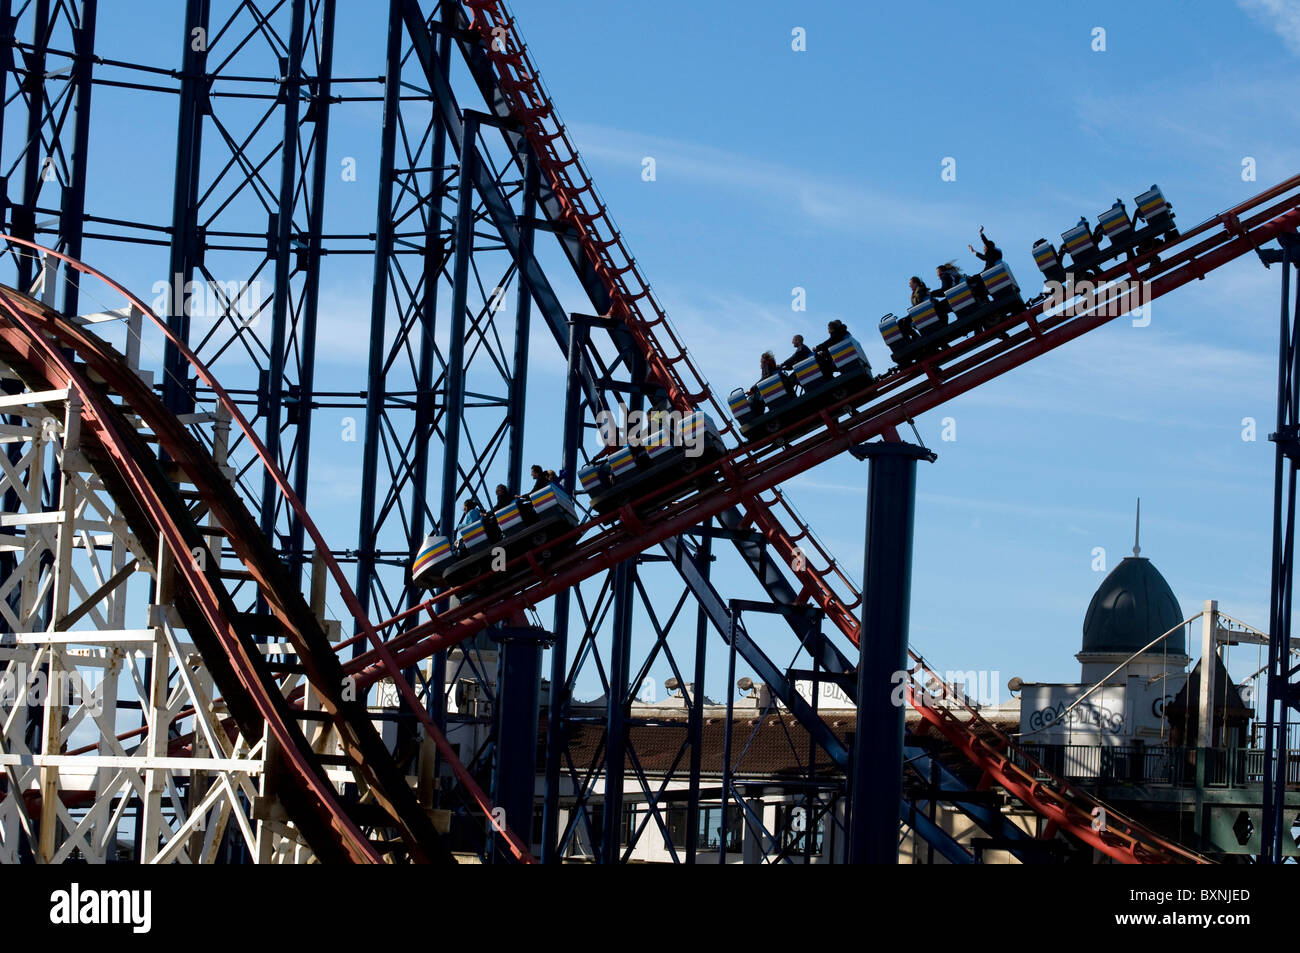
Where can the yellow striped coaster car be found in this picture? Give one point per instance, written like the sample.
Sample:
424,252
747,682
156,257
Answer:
434,554
891,329
1154,210
999,282
1115,223
847,355
961,297
1077,241
924,316
739,404
808,372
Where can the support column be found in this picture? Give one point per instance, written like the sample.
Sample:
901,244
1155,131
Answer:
514,777
280,231
695,715
1205,712
186,245
877,774
1283,690
556,704
523,321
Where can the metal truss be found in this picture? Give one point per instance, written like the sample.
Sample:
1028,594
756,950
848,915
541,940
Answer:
458,277
78,784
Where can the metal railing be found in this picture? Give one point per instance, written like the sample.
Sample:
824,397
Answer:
1153,764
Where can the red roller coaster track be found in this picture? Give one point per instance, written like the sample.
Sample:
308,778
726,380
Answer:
31,343
742,475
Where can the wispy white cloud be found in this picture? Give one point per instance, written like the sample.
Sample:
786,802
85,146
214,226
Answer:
1280,16
1218,119
821,200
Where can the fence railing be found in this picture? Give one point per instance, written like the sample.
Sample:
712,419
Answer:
1156,764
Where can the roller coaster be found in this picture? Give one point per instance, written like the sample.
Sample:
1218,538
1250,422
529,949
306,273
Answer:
286,690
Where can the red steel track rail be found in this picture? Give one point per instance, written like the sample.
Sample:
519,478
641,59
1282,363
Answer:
1065,806
33,335
887,402
633,301
896,398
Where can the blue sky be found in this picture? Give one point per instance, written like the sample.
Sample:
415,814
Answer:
820,169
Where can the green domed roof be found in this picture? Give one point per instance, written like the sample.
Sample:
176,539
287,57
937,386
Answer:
1133,605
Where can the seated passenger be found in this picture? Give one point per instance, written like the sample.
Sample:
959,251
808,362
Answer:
766,368
836,331
539,477
469,513
801,352
919,291
503,495
991,254
949,275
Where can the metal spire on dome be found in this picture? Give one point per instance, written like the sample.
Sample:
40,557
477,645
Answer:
1137,530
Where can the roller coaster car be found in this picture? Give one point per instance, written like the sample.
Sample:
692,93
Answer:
977,302
678,446
775,402
527,523
1122,234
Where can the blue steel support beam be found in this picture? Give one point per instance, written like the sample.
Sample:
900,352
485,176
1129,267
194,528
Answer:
987,817
8,41
318,111
725,621
23,219
495,204
931,833
557,705
876,781
616,711
453,400
72,211
514,775
695,718
1283,686
186,244
769,574
731,639
619,695
523,320
375,388
425,412
281,228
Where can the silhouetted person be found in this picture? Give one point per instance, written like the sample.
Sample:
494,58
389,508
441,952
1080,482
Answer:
503,496
949,275
991,254
766,368
801,352
836,331
539,477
